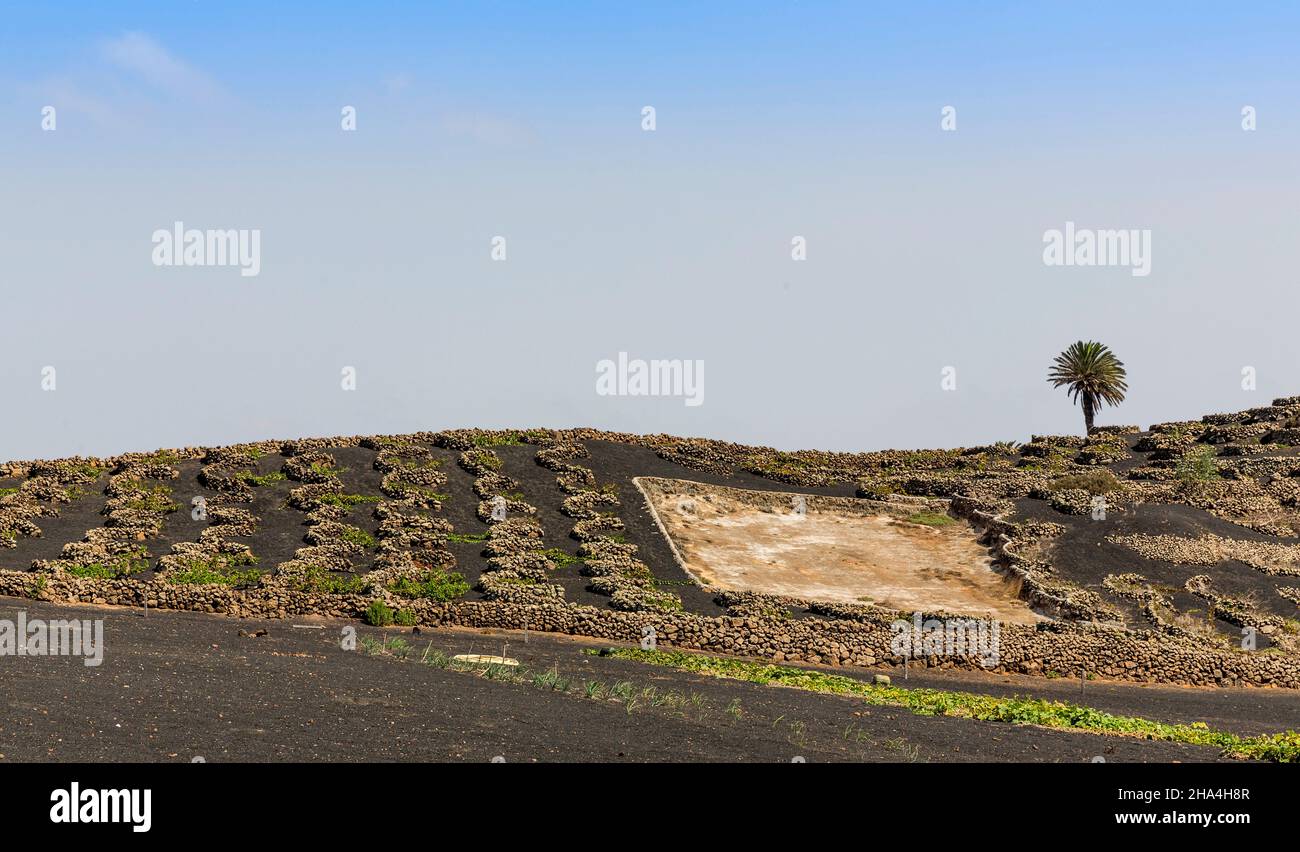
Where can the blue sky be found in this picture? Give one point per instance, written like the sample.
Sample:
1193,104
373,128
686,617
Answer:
773,120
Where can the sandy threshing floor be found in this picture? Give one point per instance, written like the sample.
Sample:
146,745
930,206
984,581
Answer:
822,555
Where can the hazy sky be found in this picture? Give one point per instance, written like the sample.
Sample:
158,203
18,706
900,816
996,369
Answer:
524,120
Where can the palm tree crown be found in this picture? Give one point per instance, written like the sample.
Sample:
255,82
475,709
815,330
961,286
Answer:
1093,374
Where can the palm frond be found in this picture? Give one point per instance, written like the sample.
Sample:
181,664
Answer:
1090,371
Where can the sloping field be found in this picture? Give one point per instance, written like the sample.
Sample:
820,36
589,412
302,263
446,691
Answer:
1119,529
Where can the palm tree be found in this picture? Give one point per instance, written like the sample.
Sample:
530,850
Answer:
1093,374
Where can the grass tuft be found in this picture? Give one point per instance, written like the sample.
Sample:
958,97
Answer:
930,519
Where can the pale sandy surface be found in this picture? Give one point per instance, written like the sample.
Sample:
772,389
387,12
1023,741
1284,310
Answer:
824,555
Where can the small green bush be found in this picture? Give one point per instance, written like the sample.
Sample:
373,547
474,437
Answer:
124,565
206,576
347,501
222,568
326,469
561,558
507,439
1198,465
250,478
486,458
436,585
1100,481
151,498
379,614
317,579
358,536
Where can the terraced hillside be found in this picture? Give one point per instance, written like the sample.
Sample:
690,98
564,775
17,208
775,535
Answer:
1168,554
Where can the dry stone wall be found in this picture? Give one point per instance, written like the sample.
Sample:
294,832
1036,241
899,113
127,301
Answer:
1047,648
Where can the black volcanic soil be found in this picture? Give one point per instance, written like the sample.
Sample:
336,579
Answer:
538,486
1083,554
70,524
176,686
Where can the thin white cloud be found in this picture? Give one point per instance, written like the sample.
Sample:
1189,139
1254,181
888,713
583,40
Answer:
156,66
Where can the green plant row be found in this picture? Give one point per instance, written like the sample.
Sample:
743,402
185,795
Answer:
1283,747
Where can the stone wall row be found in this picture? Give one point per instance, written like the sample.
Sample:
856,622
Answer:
1068,650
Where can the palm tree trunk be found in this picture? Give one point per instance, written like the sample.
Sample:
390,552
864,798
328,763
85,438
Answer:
1089,409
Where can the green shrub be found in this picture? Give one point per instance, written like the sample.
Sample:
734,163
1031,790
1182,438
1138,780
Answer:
665,601
437,585
379,614
358,536
250,478
151,498
124,565
222,568
326,469
1198,465
400,487
97,571
347,501
206,576
508,439
404,617
1100,481
485,458
561,558
317,579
